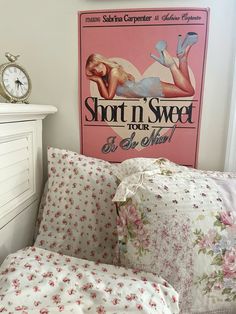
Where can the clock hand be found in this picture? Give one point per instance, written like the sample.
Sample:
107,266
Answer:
19,82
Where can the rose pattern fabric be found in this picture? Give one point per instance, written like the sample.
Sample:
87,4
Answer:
134,165
36,281
221,246
131,226
191,232
162,166
79,217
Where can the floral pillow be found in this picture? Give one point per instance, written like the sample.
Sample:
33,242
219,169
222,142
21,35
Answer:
79,217
134,165
182,225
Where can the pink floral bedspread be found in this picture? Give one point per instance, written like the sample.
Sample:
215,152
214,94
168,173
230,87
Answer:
34,280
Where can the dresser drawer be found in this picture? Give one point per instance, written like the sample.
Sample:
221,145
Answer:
18,233
18,166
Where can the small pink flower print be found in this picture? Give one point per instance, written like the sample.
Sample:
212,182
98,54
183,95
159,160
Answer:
31,277
21,308
48,274
87,286
139,307
38,258
101,310
93,295
229,263
36,289
156,287
56,298
43,311
108,290
71,291
66,279
16,283
152,303
79,276
61,308
115,301
131,297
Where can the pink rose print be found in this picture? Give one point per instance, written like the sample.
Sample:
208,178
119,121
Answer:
229,265
220,245
121,223
56,298
115,301
208,240
228,218
101,310
139,307
16,283
101,288
131,226
21,308
79,196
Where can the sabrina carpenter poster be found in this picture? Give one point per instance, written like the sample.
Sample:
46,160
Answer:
141,82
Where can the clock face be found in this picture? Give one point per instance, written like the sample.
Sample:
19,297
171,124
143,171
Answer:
15,81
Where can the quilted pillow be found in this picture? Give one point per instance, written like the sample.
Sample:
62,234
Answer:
182,225
79,217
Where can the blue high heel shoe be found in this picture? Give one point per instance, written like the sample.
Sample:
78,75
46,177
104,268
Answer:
165,60
160,46
190,39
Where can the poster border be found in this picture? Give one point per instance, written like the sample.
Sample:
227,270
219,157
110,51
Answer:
134,10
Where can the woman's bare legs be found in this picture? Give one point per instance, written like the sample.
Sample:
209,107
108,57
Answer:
183,66
182,85
183,48
180,75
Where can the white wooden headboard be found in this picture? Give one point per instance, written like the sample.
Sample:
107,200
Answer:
20,173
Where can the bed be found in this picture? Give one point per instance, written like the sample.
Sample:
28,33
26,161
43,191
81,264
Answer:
70,267
144,236
34,280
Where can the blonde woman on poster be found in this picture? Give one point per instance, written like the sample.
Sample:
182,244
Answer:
112,79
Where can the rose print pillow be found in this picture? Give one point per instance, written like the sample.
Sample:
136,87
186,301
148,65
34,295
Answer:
161,166
134,165
183,226
79,217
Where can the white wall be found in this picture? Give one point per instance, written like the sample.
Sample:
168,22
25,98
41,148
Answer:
44,33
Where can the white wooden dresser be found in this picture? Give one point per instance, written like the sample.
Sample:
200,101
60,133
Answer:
20,173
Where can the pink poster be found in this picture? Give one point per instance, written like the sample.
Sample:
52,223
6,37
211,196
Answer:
141,81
